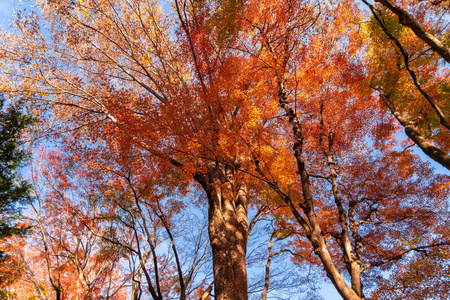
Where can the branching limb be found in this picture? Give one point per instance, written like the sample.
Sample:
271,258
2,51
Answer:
402,253
406,58
408,20
432,151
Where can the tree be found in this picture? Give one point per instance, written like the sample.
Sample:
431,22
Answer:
409,77
112,218
13,190
264,105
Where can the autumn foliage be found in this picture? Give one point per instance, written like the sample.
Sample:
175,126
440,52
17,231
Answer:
177,136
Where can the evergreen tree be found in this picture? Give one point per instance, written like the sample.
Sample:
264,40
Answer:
13,190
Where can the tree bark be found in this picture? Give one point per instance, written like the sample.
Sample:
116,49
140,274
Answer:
428,148
408,20
228,230
315,235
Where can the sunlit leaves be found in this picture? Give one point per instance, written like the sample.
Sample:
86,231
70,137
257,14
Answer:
143,97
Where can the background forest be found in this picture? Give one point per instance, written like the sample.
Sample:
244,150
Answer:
227,149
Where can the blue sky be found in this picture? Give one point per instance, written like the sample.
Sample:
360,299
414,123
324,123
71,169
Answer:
7,8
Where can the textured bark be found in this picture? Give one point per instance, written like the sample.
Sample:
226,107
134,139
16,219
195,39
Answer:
412,73
315,236
353,264
358,251
320,248
408,20
352,261
228,230
429,149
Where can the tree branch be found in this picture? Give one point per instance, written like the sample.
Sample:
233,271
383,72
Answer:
409,21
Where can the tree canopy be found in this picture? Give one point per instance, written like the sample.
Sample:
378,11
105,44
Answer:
251,122
14,192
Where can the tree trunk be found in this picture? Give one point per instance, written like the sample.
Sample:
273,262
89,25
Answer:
315,235
228,230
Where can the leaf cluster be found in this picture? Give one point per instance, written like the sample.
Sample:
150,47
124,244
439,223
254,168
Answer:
13,190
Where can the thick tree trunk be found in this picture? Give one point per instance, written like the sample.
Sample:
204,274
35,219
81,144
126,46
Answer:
228,230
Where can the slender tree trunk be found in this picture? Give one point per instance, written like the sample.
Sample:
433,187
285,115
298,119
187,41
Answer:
136,285
228,230
408,20
315,234
429,149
